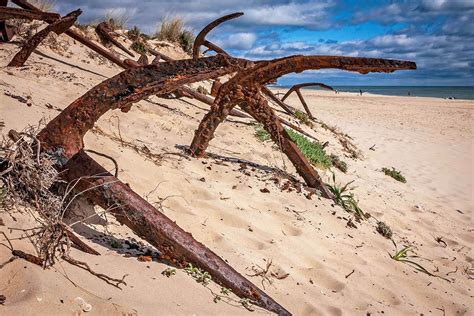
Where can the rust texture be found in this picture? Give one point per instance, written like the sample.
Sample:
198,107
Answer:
16,13
58,27
142,60
120,91
275,99
104,30
81,39
174,244
245,88
63,137
201,37
296,88
6,31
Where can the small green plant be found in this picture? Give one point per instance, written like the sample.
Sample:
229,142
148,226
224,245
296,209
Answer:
313,151
384,230
186,40
139,47
303,118
261,134
168,272
404,257
338,163
202,90
197,274
394,173
225,292
115,244
346,199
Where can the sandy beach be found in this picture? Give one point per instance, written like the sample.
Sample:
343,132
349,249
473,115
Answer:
320,262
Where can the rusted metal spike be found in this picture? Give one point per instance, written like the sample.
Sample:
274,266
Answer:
159,56
214,47
104,31
275,99
268,71
251,101
201,38
257,106
120,91
26,5
297,88
304,85
6,32
16,13
57,27
246,85
174,244
143,60
63,137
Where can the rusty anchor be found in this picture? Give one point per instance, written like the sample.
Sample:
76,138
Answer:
296,88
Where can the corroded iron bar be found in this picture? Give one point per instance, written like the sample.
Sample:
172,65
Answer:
247,83
63,137
159,56
16,13
7,32
275,99
190,93
174,244
304,85
58,27
66,131
269,71
104,31
252,102
142,60
296,88
81,39
201,37
303,102
257,106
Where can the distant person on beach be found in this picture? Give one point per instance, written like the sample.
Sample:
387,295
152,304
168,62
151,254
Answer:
409,93
360,91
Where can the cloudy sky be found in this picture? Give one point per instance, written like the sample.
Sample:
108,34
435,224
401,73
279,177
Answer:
437,34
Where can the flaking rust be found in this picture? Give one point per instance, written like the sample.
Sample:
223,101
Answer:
58,27
105,31
296,88
6,31
246,87
63,136
76,36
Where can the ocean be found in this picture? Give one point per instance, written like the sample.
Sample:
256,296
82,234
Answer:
414,91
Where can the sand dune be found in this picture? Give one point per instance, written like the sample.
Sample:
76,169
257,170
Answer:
331,269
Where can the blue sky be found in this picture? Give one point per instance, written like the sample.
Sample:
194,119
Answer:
437,34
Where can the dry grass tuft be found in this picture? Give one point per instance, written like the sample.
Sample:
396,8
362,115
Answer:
174,30
116,19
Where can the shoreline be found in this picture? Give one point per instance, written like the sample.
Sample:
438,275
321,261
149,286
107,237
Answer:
372,93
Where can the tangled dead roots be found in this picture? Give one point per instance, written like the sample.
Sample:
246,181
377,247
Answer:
30,183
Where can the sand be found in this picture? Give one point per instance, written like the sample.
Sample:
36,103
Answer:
331,268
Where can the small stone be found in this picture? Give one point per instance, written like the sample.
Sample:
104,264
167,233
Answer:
145,258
